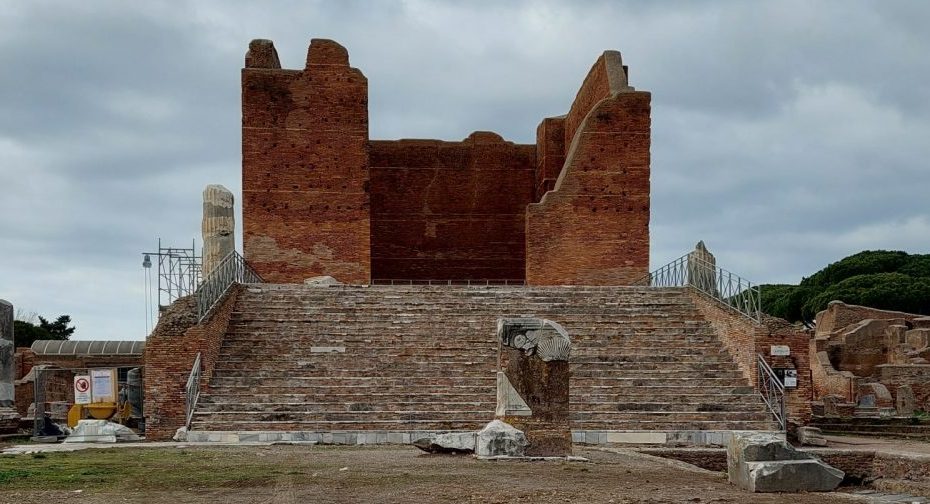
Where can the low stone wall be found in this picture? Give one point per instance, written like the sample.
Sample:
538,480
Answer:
169,356
744,339
860,466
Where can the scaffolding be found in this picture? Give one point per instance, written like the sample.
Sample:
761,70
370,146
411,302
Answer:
179,273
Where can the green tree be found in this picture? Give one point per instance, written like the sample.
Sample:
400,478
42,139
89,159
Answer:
890,280
25,333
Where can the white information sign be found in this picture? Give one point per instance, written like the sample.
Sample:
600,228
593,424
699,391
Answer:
780,351
103,384
791,378
82,389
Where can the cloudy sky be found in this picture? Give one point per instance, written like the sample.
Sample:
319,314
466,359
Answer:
786,134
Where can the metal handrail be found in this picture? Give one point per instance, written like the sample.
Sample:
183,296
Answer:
477,282
192,391
232,270
711,280
772,391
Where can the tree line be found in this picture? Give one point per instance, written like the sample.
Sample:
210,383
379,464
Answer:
888,280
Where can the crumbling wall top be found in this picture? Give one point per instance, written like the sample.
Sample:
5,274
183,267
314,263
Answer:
262,54
327,52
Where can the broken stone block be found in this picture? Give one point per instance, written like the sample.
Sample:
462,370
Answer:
762,462
500,439
100,431
905,401
447,442
811,436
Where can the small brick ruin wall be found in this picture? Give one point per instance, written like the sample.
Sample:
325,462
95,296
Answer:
745,339
170,352
321,198
855,345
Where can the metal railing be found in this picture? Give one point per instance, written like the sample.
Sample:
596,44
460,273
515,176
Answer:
192,391
718,283
232,270
772,391
478,282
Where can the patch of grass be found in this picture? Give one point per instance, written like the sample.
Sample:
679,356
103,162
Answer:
147,468
8,475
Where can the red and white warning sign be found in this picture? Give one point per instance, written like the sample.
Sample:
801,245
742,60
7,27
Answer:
82,389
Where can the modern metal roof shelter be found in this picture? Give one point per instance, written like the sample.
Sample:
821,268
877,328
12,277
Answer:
102,347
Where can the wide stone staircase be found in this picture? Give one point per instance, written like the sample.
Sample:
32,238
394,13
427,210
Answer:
423,358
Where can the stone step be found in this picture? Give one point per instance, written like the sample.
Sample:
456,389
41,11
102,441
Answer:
593,400
473,414
455,424
489,404
482,369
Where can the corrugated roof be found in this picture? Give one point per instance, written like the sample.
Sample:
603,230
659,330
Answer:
88,347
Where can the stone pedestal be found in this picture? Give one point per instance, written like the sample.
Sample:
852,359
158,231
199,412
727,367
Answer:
533,384
7,350
9,417
218,227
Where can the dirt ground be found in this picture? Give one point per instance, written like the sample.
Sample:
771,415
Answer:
315,474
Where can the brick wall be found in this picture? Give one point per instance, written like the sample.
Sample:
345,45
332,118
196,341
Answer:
23,360
593,227
320,198
169,356
305,201
550,154
450,210
859,465
915,375
745,339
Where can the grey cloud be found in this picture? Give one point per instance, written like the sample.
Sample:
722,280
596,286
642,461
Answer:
785,134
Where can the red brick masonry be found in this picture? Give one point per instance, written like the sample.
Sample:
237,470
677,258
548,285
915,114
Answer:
745,339
169,356
321,198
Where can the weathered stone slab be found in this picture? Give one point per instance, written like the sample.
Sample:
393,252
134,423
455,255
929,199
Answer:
811,436
761,462
324,281
448,442
218,227
509,402
498,439
100,431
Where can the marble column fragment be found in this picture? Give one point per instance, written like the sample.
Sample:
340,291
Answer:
702,269
218,227
6,355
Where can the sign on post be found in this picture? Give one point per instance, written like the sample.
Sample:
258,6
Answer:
82,389
103,385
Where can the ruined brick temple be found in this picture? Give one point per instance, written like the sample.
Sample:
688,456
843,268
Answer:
270,357
320,197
